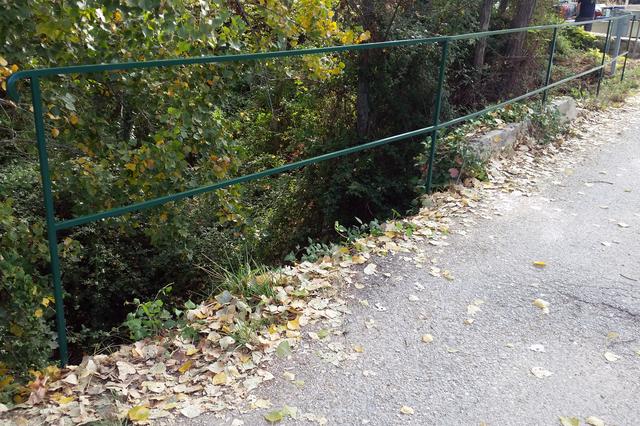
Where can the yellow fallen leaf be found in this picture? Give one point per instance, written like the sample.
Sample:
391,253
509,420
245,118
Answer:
542,304
274,416
407,410
64,400
539,264
185,367
138,413
55,132
569,421
427,338
73,119
220,378
38,313
358,348
294,324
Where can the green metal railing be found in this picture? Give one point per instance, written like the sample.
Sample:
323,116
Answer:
54,227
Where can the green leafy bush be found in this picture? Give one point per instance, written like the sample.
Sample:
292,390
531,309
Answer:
25,296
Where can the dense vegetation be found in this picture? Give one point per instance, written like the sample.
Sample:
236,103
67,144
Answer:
129,136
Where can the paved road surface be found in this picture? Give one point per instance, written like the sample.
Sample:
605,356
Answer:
594,295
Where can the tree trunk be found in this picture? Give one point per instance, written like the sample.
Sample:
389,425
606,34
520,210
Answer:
363,106
502,8
481,45
521,18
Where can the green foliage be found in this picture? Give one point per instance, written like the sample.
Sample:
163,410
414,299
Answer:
152,317
312,252
25,298
242,276
548,126
354,232
579,38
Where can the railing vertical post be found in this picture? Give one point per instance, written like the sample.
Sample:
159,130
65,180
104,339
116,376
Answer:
437,111
50,218
635,46
604,57
552,51
624,66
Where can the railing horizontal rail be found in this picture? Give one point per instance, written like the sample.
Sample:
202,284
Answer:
143,205
54,226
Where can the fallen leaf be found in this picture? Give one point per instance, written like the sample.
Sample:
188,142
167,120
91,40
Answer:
407,410
138,413
261,403
472,310
185,367
358,348
284,349
226,341
448,275
72,379
594,421
611,357
156,387
569,421
220,378
294,324
542,304
370,269
537,348
427,338
623,225
539,264
124,369
191,411
289,376
274,416
358,259
540,372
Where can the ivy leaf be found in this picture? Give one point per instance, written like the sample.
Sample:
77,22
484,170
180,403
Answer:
138,413
284,349
274,416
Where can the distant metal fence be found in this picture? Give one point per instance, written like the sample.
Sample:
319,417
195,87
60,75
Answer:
54,226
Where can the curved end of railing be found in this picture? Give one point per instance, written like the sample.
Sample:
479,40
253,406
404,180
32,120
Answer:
12,89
